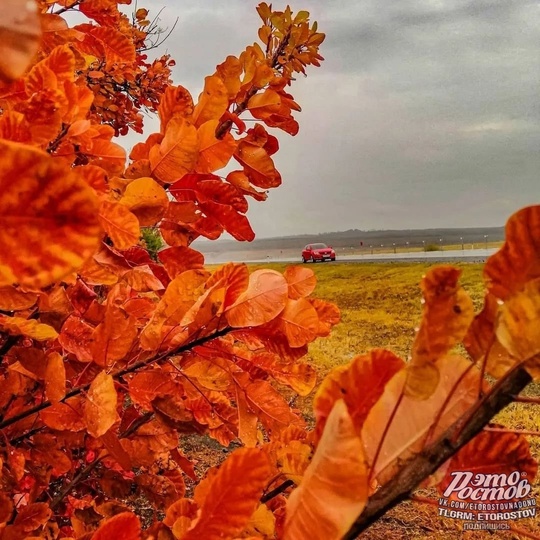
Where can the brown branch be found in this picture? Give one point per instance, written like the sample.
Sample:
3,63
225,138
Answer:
118,375
67,8
81,475
276,491
526,399
144,419
419,467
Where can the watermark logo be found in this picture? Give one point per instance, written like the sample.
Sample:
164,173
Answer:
487,501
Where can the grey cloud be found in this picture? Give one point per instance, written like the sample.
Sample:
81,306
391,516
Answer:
424,113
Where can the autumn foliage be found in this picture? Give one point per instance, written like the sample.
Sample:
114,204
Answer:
111,357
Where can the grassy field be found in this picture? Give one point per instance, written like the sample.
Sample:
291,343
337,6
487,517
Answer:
380,307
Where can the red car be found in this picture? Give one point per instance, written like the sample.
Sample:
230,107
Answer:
318,252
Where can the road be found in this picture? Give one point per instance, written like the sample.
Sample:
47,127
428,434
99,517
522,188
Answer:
458,255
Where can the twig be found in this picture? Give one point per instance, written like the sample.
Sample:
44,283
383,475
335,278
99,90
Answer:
275,492
67,8
419,467
82,474
144,419
525,399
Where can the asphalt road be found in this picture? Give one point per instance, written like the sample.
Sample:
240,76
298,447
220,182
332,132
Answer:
469,255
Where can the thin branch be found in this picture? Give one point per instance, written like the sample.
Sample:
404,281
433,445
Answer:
67,8
144,419
81,475
275,492
118,375
425,463
526,399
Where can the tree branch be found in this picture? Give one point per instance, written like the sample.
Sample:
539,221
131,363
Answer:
432,457
67,8
276,491
118,375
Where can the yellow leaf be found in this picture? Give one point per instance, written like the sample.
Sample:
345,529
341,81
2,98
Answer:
55,378
31,328
100,405
146,199
213,101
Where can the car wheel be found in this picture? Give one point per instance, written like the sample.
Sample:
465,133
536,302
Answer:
304,260
333,259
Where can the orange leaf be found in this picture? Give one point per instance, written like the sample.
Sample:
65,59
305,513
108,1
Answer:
120,224
517,328
214,153
48,218
124,526
12,299
117,46
258,165
55,378
146,199
27,327
300,322
301,281
6,508
334,489
448,313
489,453
264,299
273,410
175,101
33,516
178,259
113,338
64,416
518,261
20,30
178,152
328,314
100,406
481,332
75,337
413,420
213,101
300,377
233,495
360,384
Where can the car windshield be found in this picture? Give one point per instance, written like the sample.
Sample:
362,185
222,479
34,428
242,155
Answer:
318,246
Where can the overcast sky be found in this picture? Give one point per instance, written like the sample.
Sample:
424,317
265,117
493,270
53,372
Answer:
425,113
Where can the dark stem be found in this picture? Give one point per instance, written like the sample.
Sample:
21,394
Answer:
81,475
419,467
67,8
275,492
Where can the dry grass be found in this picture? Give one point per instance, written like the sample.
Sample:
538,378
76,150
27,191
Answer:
380,307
